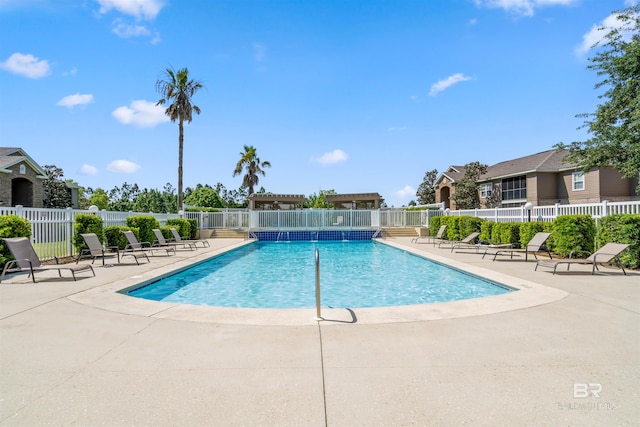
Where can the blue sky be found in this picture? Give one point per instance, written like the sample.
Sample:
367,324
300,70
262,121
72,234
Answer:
355,96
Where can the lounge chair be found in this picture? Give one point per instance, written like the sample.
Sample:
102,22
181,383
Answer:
179,239
27,260
433,239
467,241
164,243
480,247
96,250
136,246
604,255
534,246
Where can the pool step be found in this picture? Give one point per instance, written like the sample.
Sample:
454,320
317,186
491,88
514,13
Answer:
226,233
399,232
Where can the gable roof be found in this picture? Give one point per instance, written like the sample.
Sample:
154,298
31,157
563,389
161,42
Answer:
10,156
545,161
453,173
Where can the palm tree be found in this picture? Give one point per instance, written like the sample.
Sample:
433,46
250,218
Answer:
253,166
175,87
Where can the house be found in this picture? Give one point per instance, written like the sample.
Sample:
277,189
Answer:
22,180
542,179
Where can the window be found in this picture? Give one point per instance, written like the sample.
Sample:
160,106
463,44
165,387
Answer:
486,190
514,188
578,181
23,169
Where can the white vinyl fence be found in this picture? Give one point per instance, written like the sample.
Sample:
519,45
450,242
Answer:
52,229
549,213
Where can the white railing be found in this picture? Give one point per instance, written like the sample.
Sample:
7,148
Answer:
549,213
52,229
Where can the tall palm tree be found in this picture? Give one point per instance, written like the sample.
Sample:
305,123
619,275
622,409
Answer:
253,165
177,90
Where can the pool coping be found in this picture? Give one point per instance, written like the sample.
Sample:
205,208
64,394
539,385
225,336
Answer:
110,297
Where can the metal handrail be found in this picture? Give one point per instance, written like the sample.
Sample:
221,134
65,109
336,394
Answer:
318,314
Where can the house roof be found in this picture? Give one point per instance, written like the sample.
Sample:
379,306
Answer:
545,161
10,156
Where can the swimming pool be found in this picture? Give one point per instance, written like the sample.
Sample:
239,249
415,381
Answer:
356,274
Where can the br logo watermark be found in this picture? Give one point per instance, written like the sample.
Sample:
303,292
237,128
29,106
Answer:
588,391
582,390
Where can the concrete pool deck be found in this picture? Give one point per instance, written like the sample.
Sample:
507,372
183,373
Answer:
566,351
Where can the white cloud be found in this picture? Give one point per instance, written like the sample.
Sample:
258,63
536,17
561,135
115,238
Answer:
522,7
448,82
141,113
598,32
397,128
71,101
335,156
26,65
140,9
71,72
259,51
125,30
407,192
88,169
122,166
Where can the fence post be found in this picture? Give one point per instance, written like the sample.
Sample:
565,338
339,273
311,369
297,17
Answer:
605,208
556,211
69,218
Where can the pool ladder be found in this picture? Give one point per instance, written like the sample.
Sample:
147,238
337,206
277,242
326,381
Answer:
318,314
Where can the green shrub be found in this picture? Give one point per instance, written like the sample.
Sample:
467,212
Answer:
145,225
11,226
182,225
203,210
530,229
166,232
623,228
458,227
573,232
453,227
114,235
505,233
485,231
86,223
434,224
193,229
470,224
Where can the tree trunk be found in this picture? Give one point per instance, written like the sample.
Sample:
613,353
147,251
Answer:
180,145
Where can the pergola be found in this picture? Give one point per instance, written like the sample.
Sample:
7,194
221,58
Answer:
353,201
268,201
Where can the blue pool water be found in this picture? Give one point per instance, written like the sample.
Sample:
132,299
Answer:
352,275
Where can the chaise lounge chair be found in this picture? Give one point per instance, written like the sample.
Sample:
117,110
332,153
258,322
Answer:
136,246
431,239
96,250
467,241
26,260
177,238
604,255
534,246
164,243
